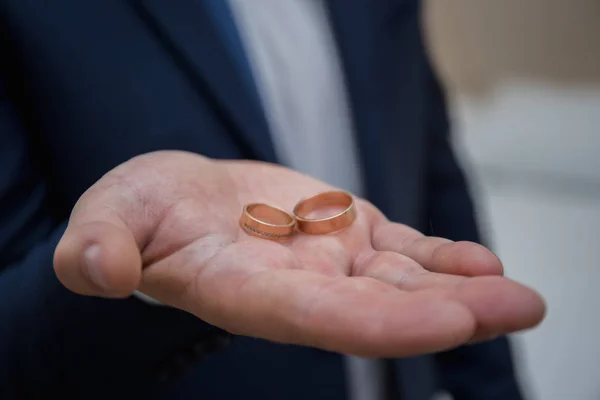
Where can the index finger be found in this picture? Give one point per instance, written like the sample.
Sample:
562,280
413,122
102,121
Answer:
436,254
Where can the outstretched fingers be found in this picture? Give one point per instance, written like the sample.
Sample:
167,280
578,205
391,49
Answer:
436,254
497,304
258,289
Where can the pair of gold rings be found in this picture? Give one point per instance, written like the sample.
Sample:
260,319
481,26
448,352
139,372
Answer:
273,223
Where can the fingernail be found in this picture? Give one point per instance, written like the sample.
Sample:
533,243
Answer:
91,258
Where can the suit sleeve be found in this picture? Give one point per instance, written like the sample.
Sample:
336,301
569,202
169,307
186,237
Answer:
481,371
53,342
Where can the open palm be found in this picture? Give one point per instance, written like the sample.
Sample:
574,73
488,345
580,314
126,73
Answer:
166,224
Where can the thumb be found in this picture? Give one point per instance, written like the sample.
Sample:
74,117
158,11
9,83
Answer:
99,253
98,258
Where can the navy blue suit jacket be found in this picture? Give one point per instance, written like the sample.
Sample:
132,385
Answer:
86,85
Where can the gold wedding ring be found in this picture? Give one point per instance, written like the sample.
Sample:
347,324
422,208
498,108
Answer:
320,203
267,222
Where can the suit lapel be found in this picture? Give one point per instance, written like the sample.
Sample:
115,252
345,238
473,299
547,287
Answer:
386,114
355,38
205,43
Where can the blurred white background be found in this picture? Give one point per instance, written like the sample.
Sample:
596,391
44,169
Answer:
524,80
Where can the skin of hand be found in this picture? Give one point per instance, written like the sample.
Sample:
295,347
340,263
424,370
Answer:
167,224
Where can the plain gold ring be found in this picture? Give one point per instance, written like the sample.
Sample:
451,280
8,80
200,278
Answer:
329,224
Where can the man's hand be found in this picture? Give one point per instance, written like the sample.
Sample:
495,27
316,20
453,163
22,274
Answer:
166,224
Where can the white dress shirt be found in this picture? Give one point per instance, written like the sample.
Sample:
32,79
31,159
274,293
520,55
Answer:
296,67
